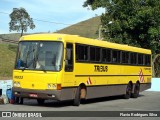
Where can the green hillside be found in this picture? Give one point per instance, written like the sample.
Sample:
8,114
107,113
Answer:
7,60
88,28
12,36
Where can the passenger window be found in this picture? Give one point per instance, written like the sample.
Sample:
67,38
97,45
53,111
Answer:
81,52
95,54
140,59
133,58
147,60
106,55
125,57
115,56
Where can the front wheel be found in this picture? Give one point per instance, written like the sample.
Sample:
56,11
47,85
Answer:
40,101
77,99
18,100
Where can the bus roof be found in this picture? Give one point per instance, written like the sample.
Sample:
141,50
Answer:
82,40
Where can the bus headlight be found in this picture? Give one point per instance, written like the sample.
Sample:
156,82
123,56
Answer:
15,84
49,86
18,84
54,86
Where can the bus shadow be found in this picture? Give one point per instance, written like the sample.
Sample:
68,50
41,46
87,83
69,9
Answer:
83,102
105,99
47,103
59,104
102,99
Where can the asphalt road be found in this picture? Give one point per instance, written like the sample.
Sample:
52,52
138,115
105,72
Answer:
147,101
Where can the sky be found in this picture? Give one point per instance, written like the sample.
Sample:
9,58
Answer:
58,13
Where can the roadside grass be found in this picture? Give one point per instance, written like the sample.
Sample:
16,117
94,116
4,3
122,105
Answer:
7,60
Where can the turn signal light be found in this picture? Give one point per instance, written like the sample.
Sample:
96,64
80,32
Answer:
59,87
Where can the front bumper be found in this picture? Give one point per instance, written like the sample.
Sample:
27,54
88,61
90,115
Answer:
37,94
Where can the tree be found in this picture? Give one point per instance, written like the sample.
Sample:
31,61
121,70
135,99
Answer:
20,20
156,66
133,22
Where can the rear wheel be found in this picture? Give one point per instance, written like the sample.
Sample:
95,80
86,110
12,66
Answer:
40,101
136,90
128,91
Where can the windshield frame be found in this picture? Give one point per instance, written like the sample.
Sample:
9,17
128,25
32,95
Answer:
38,41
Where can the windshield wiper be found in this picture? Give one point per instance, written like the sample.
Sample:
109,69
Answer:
22,68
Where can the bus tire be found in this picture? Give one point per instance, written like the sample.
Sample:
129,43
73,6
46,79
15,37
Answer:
128,91
16,101
77,100
136,90
40,101
83,95
20,100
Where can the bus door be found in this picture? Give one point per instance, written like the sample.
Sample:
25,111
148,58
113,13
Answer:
69,65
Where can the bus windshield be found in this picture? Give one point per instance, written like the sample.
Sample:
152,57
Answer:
39,55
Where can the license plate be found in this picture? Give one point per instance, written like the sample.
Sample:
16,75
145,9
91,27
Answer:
33,95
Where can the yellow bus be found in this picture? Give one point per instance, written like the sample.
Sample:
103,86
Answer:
70,67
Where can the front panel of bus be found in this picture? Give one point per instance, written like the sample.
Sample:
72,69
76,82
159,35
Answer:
38,69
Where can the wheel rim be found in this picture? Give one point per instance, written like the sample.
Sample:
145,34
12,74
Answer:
82,93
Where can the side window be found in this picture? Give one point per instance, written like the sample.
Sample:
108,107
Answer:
116,56
92,54
125,57
147,60
140,59
98,54
69,58
106,55
133,58
95,54
81,52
